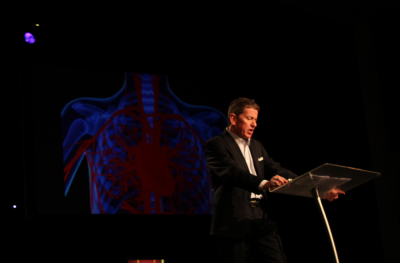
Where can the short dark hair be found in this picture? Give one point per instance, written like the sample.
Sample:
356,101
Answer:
238,105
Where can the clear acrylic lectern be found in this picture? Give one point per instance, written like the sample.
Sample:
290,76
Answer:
319,181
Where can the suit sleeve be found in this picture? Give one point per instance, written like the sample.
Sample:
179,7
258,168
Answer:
274,168
224,170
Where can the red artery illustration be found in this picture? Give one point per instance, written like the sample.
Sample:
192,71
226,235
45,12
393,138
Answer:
144,157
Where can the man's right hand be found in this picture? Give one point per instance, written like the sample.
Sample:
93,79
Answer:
275,181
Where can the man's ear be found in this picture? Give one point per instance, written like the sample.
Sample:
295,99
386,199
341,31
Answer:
232,118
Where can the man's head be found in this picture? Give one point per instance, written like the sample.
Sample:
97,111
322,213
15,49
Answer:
242,117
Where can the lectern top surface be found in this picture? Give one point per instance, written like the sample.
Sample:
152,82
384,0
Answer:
325,178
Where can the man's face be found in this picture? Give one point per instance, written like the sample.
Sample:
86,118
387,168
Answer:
244,125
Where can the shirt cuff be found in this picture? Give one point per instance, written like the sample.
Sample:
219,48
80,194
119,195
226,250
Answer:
260,187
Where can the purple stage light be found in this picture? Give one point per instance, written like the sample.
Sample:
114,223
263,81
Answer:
14,206
29,38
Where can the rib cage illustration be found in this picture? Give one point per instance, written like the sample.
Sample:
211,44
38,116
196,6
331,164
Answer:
144,148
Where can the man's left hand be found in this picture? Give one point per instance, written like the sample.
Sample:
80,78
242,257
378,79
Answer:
333,194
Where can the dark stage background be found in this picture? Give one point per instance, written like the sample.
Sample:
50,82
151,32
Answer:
303,70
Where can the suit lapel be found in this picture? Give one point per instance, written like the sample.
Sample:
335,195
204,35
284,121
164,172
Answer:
235,150
255,153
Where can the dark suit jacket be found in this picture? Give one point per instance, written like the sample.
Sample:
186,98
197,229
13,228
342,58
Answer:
232,182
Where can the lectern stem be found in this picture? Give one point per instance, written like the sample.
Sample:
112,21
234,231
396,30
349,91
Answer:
317,199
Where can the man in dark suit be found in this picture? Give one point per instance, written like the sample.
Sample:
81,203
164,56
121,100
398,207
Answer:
241,171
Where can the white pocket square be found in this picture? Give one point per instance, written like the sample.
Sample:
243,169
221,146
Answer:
260,159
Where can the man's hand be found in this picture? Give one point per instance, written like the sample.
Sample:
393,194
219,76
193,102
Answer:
333,194
275,181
